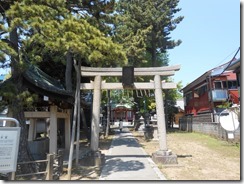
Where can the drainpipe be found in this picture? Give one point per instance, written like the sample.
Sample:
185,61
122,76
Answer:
211,96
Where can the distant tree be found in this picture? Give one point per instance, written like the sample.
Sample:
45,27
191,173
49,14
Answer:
151,18
128,31
143,28
170,98
96,13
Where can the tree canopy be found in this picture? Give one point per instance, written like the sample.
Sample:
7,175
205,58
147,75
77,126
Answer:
144,26
51,25
32,30
100,33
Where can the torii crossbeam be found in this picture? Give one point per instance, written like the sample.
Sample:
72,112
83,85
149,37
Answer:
157,85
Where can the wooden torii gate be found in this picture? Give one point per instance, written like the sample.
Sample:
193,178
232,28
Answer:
97,85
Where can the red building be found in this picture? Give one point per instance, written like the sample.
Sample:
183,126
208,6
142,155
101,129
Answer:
122,112
214,88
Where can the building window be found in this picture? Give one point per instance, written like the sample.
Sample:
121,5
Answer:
202,90
225,85
188,97
217,85
196,93
232,84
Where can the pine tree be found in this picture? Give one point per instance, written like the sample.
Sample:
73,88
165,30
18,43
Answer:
150,23
143,27
12,91
47,26
58,30
96,12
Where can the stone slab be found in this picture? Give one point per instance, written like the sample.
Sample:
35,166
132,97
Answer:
164,158
93,159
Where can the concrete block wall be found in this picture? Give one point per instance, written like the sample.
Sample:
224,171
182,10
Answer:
203,118
206,127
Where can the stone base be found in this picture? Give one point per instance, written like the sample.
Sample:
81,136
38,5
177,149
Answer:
164,157
148,133
93,159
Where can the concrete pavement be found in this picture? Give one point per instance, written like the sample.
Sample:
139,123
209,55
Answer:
126,160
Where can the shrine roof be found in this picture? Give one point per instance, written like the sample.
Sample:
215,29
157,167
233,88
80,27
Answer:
40,79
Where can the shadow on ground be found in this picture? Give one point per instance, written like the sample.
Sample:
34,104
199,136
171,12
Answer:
118,165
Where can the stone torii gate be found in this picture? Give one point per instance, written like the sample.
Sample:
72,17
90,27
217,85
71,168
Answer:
163,155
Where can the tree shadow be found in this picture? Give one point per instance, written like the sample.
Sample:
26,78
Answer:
183,156
128,142
118,165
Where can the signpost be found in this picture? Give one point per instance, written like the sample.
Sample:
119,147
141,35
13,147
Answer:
9,146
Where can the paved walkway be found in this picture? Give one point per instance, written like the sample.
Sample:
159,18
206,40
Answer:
126,160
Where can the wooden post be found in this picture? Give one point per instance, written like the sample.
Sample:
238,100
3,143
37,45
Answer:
96,113
50,160
67,131
60,160
32,129
78,75
12,176
76,112
160,114
72,139
53,130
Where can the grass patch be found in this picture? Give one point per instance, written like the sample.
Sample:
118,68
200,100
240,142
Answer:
224,147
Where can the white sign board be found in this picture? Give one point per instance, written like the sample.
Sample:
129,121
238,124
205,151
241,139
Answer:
229,120
230,135
9,146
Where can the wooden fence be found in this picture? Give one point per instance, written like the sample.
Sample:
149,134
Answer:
53,168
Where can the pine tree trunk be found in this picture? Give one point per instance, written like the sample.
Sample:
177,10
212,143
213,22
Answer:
16,107
24,153
85,128
153,51
68,72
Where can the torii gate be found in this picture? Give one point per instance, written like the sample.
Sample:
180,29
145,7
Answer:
157,85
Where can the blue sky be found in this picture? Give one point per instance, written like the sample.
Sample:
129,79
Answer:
210,34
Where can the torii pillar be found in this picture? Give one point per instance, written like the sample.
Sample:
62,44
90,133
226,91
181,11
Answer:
96,154
163,155
160,114
96,114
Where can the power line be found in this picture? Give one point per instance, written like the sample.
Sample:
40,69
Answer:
233,58
235,51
